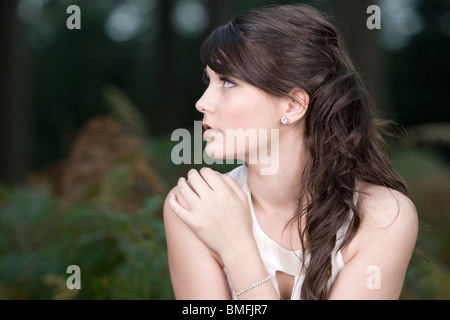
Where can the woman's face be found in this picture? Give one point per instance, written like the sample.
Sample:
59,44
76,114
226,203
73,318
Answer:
238,118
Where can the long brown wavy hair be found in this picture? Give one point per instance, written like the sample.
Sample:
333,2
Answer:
277,49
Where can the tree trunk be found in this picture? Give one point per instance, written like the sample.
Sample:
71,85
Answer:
364,48
14,116
219,12
168,109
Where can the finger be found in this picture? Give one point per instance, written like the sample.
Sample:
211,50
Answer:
186,192
180,199
198,183
180,212
213,179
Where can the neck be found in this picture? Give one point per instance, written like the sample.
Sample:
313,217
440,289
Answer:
277,192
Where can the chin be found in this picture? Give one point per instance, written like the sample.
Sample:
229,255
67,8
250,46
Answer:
214,151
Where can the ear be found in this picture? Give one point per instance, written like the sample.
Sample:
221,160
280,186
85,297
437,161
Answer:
296,106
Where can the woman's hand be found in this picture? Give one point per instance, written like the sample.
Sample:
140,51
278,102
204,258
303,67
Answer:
215,208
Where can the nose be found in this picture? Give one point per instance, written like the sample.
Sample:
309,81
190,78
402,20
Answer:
205,103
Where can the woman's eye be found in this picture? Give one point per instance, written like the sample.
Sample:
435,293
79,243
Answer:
227,83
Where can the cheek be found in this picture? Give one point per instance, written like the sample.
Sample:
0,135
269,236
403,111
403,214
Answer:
242,119
235,115
251,112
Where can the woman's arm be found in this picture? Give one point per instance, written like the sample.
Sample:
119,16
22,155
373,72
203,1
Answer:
195,272
208,220
377,258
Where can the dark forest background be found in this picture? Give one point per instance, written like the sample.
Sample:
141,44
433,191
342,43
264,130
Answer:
86,118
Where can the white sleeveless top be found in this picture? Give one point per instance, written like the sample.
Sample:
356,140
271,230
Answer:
275,257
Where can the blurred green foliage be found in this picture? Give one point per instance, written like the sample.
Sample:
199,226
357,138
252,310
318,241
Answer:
427,174
121,256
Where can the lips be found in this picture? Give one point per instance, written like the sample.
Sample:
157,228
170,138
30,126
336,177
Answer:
209,131
206,126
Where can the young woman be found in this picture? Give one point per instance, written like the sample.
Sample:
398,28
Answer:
333,221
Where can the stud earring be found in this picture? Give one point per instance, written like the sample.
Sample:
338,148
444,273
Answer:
284,120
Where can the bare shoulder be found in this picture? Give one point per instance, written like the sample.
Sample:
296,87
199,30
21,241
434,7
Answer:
174,226
177,232
171,221
384,208
387,217
168,214
384,242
